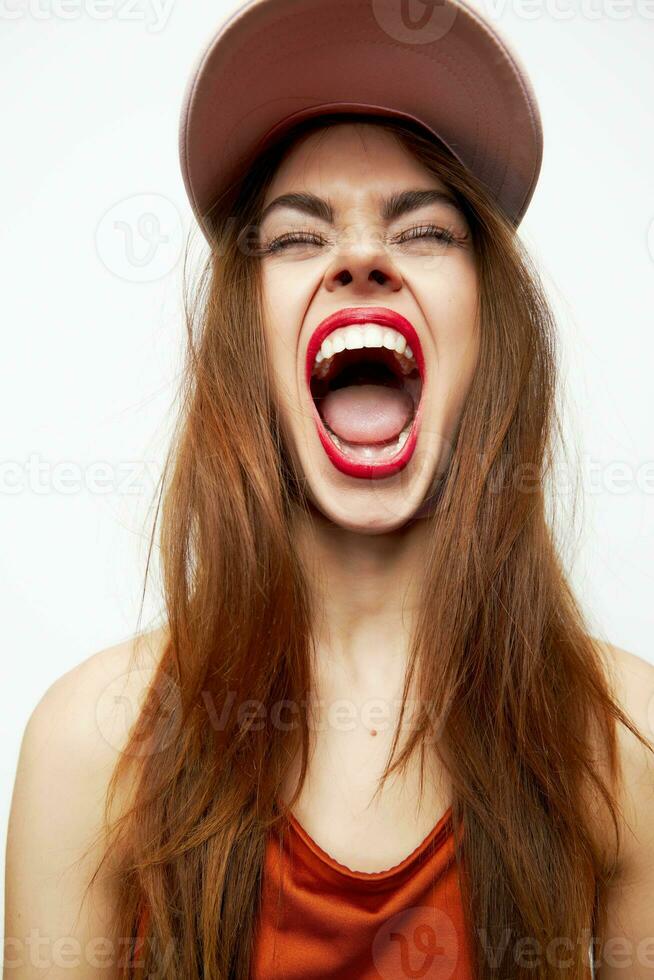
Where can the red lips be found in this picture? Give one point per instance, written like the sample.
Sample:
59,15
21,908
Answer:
385,318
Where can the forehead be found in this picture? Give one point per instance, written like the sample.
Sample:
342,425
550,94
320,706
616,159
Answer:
351,160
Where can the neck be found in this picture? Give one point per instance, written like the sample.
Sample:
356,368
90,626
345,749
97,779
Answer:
366,590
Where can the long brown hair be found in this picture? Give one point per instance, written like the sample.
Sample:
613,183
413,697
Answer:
501,655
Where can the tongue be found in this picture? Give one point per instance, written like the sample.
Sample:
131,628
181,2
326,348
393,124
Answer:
367,413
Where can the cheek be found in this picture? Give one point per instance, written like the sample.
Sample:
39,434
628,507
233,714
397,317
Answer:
282,327
285,287
452,312
453,315
280,315
286,292
282,361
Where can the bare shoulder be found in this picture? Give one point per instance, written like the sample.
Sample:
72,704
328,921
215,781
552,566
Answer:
137,657
84,718
69,749
86,714
632,682
629,897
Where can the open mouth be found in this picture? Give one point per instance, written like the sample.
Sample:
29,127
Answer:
366,386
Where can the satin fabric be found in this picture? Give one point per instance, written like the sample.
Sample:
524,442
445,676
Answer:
332,923
329,922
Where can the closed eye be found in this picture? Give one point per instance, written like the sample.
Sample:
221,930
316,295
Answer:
444,235
427,231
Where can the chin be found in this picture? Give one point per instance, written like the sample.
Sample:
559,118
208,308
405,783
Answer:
367,505
365,521
376,508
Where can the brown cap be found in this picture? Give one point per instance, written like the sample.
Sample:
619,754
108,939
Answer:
274,62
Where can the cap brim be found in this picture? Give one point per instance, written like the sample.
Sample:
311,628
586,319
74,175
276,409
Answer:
277,59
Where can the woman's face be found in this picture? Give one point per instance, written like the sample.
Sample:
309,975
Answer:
348,243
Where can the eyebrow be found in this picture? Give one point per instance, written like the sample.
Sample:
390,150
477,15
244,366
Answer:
393,206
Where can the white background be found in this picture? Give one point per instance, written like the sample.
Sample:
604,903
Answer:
92,328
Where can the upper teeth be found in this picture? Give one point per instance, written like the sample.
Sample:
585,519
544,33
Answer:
363,335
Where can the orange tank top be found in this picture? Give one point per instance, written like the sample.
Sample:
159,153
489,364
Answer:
331,923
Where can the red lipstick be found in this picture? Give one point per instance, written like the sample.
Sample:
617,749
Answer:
384,317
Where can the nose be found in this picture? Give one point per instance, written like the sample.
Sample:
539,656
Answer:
365,266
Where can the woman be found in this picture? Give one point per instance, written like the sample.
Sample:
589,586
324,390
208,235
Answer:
374,738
